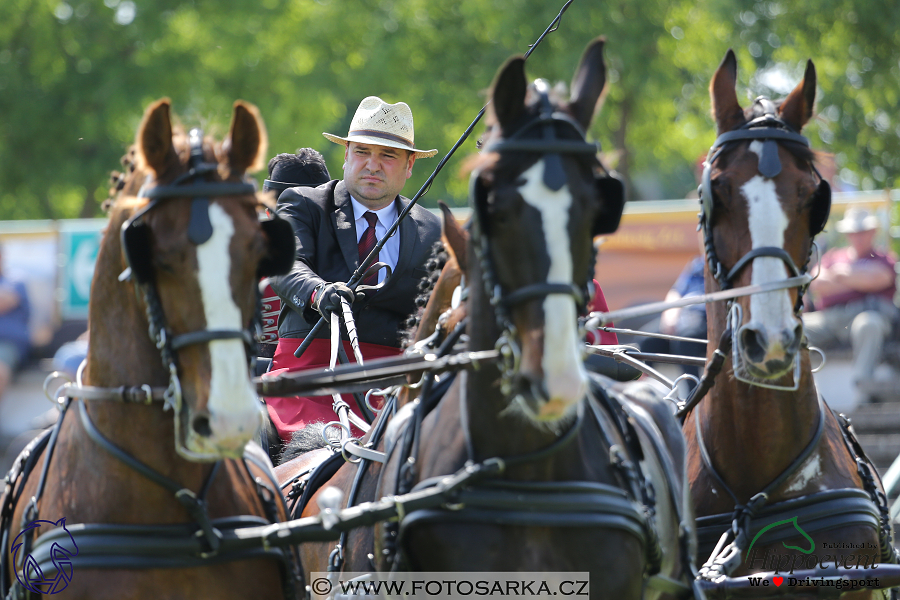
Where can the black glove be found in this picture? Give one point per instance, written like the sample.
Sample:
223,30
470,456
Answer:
328,297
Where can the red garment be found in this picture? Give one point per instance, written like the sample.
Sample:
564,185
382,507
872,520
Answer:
599,305
271,306
841,256
289,414
292,413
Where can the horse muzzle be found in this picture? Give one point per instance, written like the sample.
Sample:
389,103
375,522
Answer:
769,353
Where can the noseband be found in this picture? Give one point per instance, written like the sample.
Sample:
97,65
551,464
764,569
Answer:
135,243
552,148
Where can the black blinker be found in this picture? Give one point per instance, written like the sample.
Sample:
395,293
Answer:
612,203
136,244
279,258
821,208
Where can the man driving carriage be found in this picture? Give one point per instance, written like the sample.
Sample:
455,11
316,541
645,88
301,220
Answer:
336,225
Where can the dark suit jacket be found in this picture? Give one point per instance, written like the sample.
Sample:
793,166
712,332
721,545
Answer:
327,250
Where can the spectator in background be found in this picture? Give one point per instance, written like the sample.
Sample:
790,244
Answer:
15,339
853,297
688,321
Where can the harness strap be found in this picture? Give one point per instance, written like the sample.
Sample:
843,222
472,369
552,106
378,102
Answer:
874,488
194,504
118,546
129,394
209,335
14,487
790,470
816,512
710,373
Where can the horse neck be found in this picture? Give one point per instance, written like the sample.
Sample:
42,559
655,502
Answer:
496,428
753,433
121,353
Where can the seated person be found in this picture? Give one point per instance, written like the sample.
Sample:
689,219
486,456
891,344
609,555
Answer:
853,297
688,321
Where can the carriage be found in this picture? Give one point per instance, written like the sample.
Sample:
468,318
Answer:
499,435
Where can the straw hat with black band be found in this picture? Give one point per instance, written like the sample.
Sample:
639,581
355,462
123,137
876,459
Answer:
379,123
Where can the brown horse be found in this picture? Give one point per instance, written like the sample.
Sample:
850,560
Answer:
436,319
122,478
558,452
762,446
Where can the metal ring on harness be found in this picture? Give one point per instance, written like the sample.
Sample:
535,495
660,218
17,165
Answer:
52,377
335,444
820,353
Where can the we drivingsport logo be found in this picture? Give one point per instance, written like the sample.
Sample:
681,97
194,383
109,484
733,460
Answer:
809,559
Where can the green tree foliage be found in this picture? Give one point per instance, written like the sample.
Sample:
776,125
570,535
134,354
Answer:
75,76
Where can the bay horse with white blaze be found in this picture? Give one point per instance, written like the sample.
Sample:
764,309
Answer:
763,447
560,467
151,471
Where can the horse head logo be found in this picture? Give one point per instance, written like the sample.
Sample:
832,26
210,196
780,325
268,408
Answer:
812,544
31,576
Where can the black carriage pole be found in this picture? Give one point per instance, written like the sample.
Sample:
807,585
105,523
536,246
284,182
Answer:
357,275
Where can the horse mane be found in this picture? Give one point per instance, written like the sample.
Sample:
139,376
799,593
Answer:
128,182
434,265
306,440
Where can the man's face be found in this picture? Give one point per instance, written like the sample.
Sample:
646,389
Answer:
861,241
374,175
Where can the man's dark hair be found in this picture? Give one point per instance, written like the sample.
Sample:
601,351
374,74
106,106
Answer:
306,167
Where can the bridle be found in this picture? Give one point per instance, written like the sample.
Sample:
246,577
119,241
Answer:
551,147
136,240
770,130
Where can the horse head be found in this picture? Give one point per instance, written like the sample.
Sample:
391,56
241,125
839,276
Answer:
539,197
194,246
763,202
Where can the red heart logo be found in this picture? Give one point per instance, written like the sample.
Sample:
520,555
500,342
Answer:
778,581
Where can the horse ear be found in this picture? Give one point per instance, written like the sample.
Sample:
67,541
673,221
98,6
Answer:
722,91
154,137
247,141
588,83
508,92
797,108
454,236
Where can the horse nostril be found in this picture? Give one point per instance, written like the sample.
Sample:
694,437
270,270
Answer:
201,426
792,343
754,344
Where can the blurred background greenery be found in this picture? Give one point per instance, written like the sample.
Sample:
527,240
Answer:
75,76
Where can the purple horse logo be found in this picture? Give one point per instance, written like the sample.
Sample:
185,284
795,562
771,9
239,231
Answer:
32,577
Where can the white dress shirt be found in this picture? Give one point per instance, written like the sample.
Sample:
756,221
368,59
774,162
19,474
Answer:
386,217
